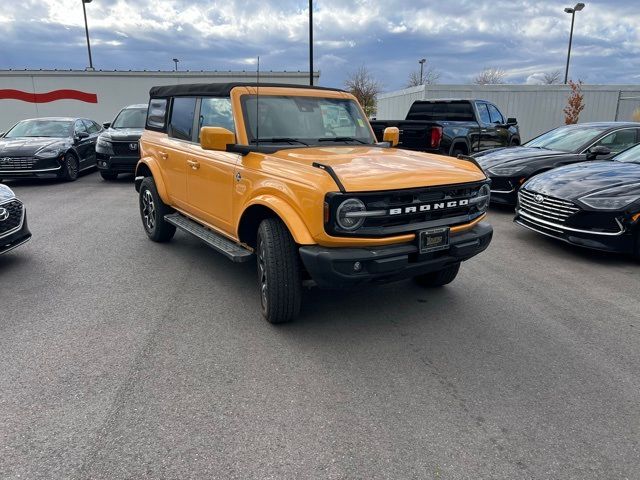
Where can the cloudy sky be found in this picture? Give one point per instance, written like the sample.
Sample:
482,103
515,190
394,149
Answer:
458,37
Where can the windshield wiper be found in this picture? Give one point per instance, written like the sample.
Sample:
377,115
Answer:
342,139
279,140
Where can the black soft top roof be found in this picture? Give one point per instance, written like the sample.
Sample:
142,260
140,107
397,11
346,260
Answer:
216,89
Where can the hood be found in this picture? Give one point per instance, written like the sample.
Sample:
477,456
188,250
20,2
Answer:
28,146
365,168
123,134
575,181
514,156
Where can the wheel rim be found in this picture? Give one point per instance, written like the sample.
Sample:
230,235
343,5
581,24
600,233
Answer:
148,210
72,168
262,275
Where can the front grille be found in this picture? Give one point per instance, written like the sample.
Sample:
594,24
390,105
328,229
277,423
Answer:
17,163
15,210
547,208
124,148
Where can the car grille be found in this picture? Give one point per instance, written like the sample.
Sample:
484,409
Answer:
15,210
548,208
17,163
124,148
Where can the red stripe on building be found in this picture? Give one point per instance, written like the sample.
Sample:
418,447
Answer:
47,97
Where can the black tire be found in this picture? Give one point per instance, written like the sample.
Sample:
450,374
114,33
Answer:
279,272
438,278
514,143
108,175
152,212
70,168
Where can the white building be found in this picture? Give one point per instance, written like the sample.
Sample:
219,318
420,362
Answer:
100,95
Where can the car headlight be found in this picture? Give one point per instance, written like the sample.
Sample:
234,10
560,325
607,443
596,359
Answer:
482,198
347,214
615,198
50,152
104,145
506,171
6,193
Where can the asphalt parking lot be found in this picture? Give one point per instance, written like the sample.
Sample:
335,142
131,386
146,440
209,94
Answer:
122,358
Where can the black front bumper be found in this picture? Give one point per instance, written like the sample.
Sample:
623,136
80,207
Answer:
334,267
30,168
117,163
13,239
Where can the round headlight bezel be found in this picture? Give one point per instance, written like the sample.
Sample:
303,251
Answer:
350,205
483,191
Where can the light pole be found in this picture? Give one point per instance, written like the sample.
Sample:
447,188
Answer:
311,42
86,29
572,11
175,61
422,62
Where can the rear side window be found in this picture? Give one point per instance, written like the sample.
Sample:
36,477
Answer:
157,115
452,111
494,113
483,112
182,114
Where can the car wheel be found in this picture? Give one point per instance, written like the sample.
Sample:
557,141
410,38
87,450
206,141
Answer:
109,176
70,168
278,272
438,278
152,212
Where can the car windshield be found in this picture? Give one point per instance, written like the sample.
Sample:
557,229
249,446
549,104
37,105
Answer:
305,120
130,118
566,139
41,128
630,155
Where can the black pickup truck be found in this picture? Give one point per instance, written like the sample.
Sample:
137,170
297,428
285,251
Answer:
452,127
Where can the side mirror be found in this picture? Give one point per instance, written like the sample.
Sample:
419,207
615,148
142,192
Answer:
391,135
106,124
81,135
597,151
216,138
512,122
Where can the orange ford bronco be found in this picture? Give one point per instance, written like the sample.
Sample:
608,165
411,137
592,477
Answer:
295,177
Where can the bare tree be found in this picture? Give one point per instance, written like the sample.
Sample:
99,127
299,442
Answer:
490,76
361,84
551,78
430,76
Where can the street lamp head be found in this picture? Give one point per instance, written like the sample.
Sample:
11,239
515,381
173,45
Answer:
578,7
422,60
569,10
176,60
87,1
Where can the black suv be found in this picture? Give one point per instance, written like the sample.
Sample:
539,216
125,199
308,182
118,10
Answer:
117,148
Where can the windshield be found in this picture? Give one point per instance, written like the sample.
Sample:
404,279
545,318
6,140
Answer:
631,155
566,139
41,128
130,118
305,120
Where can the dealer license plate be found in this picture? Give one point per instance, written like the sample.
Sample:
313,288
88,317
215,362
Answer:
434,239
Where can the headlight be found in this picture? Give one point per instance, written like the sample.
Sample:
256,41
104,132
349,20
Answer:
615,198
6,193
50,152
104,145
345,214
506,171
481,200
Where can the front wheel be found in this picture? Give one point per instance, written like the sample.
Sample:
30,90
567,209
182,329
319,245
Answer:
438,278
279,270
152,212
70,168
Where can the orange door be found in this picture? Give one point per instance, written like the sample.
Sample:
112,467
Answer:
172,157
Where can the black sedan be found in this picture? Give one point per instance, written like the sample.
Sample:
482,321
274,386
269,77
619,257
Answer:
41,147
13,221
117,147
509,168
591,204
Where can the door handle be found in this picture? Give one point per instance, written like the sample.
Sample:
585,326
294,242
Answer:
193,164
163,155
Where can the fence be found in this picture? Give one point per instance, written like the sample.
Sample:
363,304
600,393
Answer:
538,108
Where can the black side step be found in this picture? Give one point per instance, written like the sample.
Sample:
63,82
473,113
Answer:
228,248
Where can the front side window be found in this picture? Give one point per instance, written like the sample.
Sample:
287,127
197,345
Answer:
494,114
310,120
41,128
566,139
216,112
483,112
182,114
91,126
618,141
632,155
130,118
79,127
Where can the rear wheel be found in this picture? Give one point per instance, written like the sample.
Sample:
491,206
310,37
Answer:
438,278
70,168
152,212
108,175
279,272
